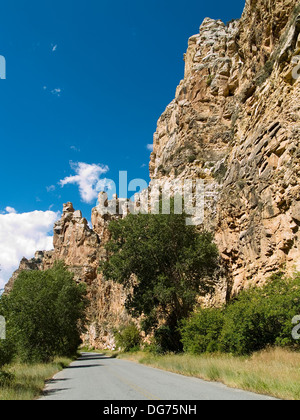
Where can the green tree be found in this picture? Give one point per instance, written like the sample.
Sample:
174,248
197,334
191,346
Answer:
164,262
45,313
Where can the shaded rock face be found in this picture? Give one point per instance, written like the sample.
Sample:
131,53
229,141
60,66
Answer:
36,263
235,122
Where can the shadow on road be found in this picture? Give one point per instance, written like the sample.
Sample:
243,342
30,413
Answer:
49,392
94,356
54,381
83,366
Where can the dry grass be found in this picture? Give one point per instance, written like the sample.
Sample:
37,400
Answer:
28,381
274,372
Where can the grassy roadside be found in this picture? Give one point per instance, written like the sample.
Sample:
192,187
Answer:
274,372
27,381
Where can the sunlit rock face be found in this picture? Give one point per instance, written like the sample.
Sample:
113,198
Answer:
235,123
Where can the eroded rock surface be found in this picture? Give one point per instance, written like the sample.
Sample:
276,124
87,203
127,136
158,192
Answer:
235,123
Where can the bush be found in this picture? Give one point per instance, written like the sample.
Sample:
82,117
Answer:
128,338
257,318
165,340
262,317
44,311
6,352
201,332
6,356
192,158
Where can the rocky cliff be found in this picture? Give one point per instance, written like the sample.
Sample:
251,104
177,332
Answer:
234,122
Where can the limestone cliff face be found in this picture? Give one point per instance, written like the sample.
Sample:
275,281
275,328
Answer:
235,122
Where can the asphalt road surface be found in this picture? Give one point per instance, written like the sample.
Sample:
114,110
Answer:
97,377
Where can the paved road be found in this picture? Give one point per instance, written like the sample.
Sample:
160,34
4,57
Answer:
97,377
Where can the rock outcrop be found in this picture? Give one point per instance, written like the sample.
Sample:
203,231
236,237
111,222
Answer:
36,263
235,123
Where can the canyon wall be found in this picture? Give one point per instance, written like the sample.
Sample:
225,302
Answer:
235,123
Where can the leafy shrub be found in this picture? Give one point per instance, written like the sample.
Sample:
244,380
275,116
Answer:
165,340
201,332
262,317
6,352
7,349
128,338
6,378
209,80
192,158
257,318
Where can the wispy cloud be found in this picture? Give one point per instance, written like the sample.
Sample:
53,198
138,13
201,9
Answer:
75,149
87,178
56,91
150,147
51,188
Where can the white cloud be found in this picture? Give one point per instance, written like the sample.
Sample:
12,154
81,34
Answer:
87,178
10,210
21,236
54,47
150,147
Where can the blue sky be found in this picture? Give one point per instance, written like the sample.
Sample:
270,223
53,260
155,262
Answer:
86,83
